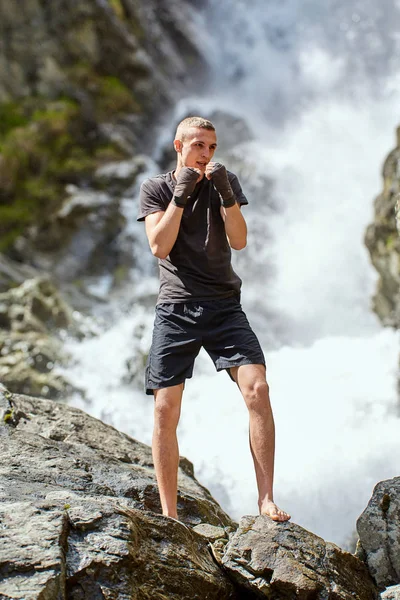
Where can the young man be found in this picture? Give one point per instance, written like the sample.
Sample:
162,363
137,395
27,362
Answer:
193,219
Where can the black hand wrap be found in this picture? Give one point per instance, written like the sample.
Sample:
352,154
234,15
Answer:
185,184
219,177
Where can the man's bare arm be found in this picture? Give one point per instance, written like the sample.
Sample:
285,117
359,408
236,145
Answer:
235,226
162,229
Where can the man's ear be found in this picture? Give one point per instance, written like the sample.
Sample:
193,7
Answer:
178,145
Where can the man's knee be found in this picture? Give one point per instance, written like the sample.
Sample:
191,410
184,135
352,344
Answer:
256,395
167,407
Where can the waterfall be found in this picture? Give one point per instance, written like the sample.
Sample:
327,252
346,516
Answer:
314,92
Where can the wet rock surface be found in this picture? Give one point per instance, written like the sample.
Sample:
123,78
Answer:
284,561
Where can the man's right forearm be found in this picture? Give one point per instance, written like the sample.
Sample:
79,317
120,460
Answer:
163,236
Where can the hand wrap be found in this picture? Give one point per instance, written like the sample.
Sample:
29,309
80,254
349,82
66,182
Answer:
219,177
185,184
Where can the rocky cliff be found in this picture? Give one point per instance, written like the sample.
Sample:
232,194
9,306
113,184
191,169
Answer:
383,242
79,519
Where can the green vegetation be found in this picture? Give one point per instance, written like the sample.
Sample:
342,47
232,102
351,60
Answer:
390,241
113,96
8,415
45,144
117,7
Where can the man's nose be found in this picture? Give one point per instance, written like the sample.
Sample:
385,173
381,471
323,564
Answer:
206,153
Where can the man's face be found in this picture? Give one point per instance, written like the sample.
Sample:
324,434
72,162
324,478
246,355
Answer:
197,149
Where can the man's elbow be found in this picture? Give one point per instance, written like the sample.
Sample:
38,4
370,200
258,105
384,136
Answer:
239,244
240,241
158,251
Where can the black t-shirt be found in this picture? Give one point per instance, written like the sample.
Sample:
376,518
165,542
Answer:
199,264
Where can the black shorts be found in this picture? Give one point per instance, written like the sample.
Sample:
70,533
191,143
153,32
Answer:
181,329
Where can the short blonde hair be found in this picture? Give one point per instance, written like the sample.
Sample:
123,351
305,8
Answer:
181,132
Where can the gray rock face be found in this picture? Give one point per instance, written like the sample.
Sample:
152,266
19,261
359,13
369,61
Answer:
383,242
379,532
284,561
76,520
14,273
29,314
79,239
42,43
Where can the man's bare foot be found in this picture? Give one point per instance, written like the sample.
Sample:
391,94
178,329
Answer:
271,510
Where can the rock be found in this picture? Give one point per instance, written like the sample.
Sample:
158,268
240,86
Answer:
49,49
27,362
118,176
14,273
77,504
31,317
37,306
379,533
79,239
392,593
283,560
383,242
210,532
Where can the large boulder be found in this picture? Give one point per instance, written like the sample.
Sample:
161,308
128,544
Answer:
78,513
284,561
379,533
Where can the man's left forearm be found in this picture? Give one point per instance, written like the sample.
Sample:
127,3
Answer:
235,226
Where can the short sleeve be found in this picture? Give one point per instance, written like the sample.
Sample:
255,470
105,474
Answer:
237,189
150,199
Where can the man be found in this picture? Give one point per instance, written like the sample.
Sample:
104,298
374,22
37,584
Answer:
193,219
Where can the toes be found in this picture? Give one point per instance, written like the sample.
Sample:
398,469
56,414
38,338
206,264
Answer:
276,514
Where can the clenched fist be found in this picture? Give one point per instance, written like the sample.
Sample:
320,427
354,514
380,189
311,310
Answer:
216,172
185,184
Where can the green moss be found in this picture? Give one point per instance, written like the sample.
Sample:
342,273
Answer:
117,7
114,97
8,415
108,153
45,144
11,116
108,94
390,240
43,147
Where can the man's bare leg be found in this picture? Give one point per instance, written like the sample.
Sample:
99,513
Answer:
167,410
254,388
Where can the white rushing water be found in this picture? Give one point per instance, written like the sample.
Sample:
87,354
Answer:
317,88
